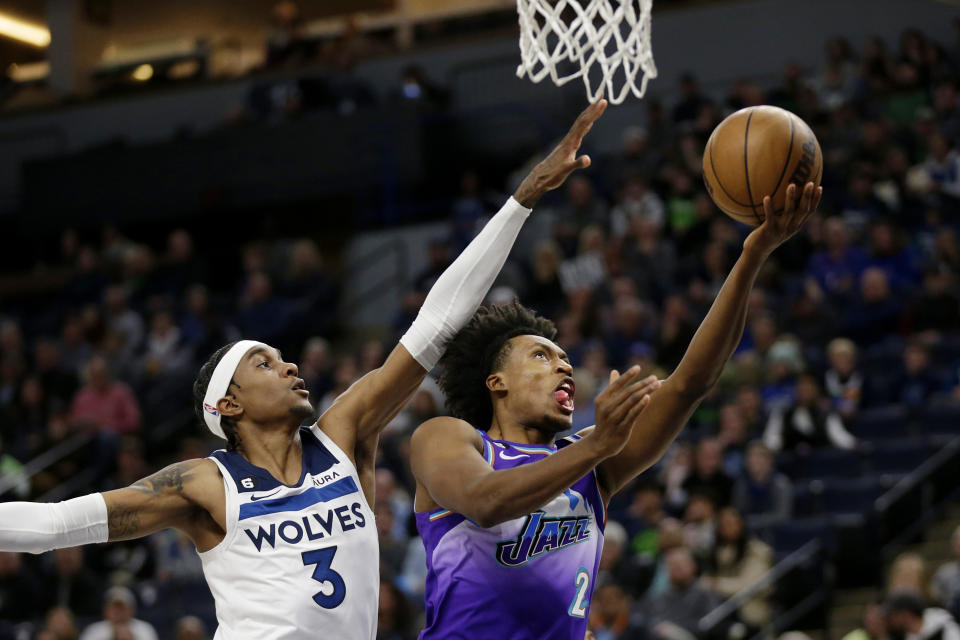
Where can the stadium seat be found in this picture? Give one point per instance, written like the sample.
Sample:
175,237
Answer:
827,463
891,421
790,536
940,418
852,496
898,456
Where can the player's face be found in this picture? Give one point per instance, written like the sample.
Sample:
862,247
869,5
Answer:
268,389
536,384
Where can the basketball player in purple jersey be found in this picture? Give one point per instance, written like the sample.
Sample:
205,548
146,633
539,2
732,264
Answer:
511,519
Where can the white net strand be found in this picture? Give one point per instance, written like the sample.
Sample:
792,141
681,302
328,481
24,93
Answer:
614,35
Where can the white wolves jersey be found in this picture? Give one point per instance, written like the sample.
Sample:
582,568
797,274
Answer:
298,561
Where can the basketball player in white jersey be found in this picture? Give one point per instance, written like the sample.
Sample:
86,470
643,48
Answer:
282,517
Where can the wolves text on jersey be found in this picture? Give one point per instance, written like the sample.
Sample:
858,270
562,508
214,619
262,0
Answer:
540,535
310,527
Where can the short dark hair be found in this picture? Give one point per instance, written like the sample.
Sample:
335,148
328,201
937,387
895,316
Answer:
908,600
200,391
480,348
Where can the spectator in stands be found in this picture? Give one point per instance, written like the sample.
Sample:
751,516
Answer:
916,380
806,424
937,311
708,476
20,591
190,628
582,208
908,618
838,266
105,404
392,550
73,585
874,623
699,524
733,438
842,381
165,352
544,291
888,253
395,619
688,107
762,494
610,614
875,314
59,624
674,614
316,367
945,586
737,562
58,383
617,565
908,572
118,617
676,467
285,42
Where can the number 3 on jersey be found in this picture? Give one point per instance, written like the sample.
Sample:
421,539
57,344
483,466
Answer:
578,608
324,574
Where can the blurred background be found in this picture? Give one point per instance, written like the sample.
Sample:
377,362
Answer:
175,175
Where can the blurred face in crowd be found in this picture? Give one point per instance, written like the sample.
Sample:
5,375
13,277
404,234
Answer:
534,385
681,567
267,390
68,561
610,602
98,374
843,357
808,392
835,234
729,525
915,359
733,428
699,510
118,610
709,457
874,286
759,462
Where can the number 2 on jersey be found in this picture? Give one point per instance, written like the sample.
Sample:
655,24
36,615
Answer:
578,608
323,573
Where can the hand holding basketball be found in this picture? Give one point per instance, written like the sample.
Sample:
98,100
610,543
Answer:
780,226
553,170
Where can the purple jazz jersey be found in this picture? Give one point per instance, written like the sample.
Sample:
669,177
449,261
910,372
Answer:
526,579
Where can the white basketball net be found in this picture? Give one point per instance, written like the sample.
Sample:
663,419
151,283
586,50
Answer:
612,34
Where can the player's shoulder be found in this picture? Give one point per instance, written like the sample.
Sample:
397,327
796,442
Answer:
444,429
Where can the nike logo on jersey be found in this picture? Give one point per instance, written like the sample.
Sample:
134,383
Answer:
539,535
517,457
310,527
265,495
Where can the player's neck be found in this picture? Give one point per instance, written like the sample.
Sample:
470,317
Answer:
513,431
277,450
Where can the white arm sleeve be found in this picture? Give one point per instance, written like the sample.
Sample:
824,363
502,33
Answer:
37,527
461,288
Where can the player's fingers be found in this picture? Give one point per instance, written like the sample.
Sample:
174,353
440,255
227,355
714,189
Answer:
614,374
584,122
624,379
637,409
790,204
641,386
625,405
767,207
582,162
816,199
806,200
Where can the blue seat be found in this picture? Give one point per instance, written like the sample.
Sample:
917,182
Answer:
828,463
852,496
941,417
892,421
898,456
793,534
806,500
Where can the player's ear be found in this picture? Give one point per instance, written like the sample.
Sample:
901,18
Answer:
495,382
227,406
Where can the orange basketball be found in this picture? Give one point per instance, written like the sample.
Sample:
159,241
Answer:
757,152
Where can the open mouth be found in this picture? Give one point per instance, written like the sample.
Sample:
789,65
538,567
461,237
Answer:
301,386
564,395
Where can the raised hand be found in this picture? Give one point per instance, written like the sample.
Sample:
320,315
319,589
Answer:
780,226
618,408
553,170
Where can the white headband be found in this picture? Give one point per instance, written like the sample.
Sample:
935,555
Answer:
220,382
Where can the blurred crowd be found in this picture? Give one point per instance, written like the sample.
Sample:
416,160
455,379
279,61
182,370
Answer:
859,313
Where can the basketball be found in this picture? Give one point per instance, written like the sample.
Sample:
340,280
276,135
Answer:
757,152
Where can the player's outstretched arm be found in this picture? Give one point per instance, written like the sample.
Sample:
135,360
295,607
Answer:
165,499
447,461
366,408
711,346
